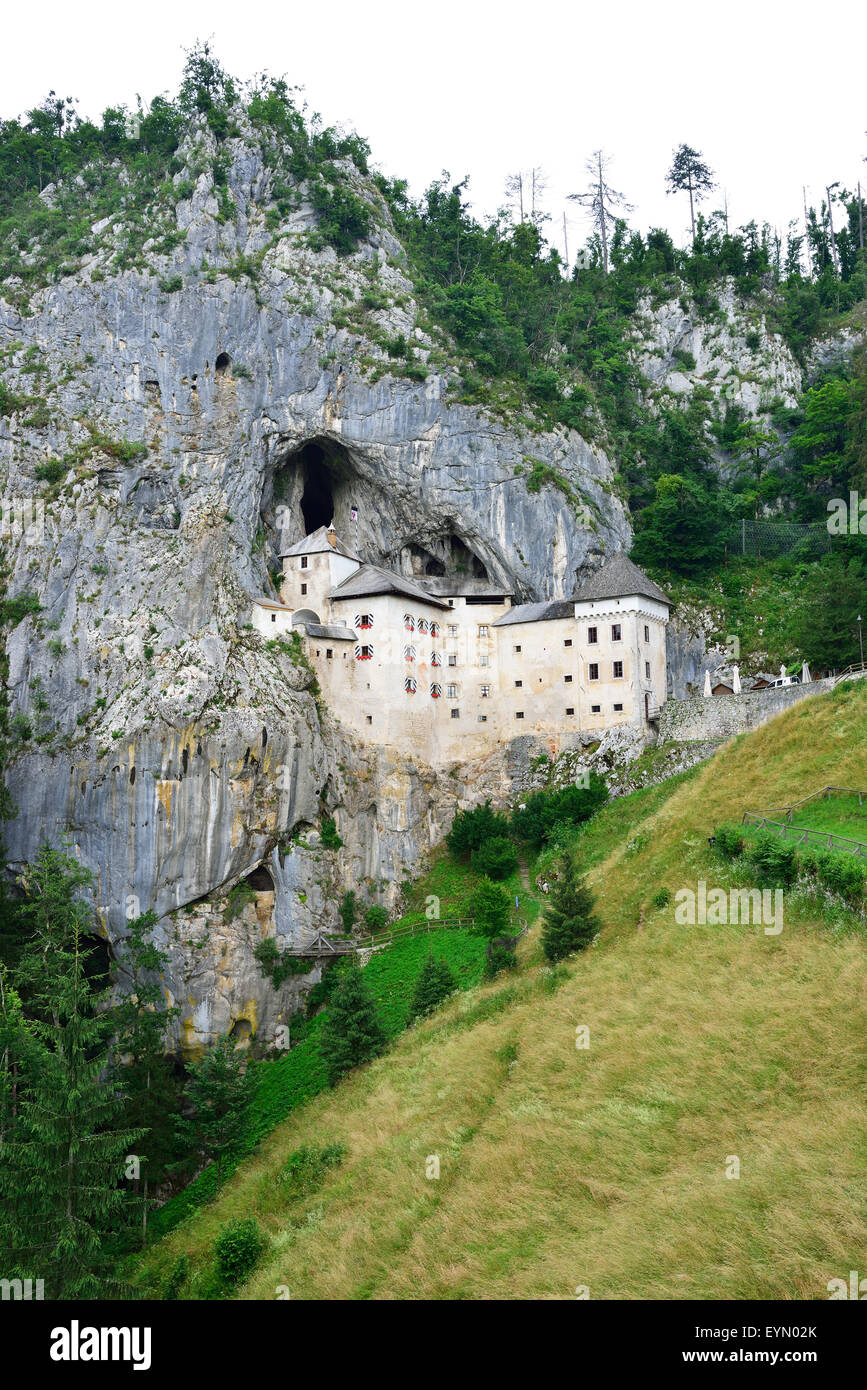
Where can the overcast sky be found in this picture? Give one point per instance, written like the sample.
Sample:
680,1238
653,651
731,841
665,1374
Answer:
772,93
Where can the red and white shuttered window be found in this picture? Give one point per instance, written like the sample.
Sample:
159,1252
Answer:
423,625
436,659
410,685
364,621
409,622
434,629
363,653
436,691
409,653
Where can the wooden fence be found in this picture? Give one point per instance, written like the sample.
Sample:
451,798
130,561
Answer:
322,945
781,820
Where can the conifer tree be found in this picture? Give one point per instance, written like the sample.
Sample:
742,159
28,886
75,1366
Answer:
435,983
221,1088
569,923
489,905
351,1031
65,1136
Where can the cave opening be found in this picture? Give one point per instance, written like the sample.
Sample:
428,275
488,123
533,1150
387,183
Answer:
317,499
260,880
222,364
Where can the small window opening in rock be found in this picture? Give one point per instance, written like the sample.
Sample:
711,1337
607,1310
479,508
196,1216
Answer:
132,774
260,880
185,759
222,364
264,738
240,1032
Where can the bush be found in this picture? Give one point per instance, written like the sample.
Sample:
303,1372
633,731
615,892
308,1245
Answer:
489,905
177,1278
838,873
773,860
496,858
470,829
49,472
661,898
328,832
376,917
306,1168
500,955
545,810
569,923
728,841
238,1247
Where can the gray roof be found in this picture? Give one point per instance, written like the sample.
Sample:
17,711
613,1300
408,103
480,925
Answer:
620,578
333,632
538,612
462,586
264,602
318,543
370,580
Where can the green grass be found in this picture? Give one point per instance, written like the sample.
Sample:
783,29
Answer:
838,815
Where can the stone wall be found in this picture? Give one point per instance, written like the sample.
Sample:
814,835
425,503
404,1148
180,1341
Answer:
724,716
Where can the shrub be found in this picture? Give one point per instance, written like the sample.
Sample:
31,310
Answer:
496,858
838,873
177,1278
238,1247
306,1168
489,906
376,917
500,955
470,829
13,610
773,860
435,983
569,923
348,910
661,898
49,472
728,841
544,810
330,837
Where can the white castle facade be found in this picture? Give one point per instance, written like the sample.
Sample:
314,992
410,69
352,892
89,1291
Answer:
450,668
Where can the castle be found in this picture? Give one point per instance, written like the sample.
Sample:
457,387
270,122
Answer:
450,668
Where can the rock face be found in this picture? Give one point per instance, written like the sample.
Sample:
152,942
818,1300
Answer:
201,411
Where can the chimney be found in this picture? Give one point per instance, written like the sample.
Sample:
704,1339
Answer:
332,536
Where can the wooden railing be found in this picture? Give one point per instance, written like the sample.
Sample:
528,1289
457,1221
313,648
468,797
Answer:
858,668
323,946
781,819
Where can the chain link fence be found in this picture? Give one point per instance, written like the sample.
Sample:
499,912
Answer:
768,539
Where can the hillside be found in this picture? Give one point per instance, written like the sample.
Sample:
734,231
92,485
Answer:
606,1167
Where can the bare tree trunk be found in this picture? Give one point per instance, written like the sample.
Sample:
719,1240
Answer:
691,209
602,227
833,238
860,218
565,241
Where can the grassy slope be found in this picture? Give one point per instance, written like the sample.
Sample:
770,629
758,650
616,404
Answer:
606,1166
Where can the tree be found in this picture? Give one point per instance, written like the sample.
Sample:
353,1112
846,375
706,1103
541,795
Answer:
153,1094
569,923
489,906
758,449
221,1089
351,1031
65,1138
689,172
435,983
472,828
601,200
826,629
682,530
496,858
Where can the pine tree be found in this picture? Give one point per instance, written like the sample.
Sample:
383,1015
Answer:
351,1031
221,1088
435,983
65,1138
689,173
153,1093
489,905
569,923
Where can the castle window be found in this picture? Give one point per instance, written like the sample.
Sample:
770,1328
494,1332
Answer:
520,714
483,630
570,710
423,625
409,622
483,719
568,680
567,641
435,659
646,633
409,653
304,562
592,634
363,653
453,629
647,669
364,620
410,685
618,709
519,684
486,690
451,692
434,629
370,719
593,671
436,691
452,658
455,713
595,709
484,660
615,632
304,588
329,652
617,670
273,617
517,649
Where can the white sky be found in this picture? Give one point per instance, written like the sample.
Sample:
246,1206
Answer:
772,93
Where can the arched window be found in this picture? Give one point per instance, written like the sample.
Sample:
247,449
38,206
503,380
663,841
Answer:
435,659
434,629
423,625
363,653
409,653
436,691
410,685
409,622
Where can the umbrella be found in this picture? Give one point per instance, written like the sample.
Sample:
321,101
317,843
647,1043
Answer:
707,682
805,674
736,681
